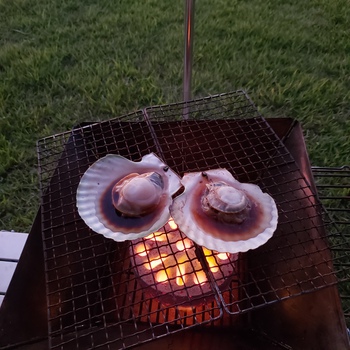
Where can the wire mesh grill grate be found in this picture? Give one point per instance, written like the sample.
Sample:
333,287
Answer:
104,294
333,186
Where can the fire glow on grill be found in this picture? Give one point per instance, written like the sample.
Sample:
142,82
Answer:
183,272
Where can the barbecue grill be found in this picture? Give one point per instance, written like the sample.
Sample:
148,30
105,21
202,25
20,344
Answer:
75,289
94,294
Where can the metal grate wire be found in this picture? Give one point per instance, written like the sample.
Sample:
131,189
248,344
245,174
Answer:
333,186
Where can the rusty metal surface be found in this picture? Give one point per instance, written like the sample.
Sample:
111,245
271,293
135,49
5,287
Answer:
312,321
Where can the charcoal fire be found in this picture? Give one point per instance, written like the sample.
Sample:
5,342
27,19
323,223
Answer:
168,268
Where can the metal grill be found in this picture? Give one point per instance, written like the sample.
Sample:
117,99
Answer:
333,186
99,293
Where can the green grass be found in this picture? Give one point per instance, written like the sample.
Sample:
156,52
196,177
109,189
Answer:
70,61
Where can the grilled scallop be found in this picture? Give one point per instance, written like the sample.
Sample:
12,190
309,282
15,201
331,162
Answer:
220,213
125,200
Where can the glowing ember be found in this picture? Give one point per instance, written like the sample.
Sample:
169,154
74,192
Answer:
181,270
181,274
211,260
157,236
175,266
184,244
141,250
223,256
155,262
172,224
212,264
200,277
161,276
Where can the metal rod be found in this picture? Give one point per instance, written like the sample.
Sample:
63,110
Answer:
189,25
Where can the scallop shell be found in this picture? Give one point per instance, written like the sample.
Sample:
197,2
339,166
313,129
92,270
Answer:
95,202
190,213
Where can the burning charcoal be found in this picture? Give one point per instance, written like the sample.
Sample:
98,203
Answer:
168,268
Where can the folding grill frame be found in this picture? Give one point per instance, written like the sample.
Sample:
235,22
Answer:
95,299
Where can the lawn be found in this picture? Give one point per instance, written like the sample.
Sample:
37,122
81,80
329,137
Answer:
70,61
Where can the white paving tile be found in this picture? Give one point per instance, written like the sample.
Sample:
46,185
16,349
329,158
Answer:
11,244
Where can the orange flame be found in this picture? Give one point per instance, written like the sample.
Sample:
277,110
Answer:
200,277
161,276
157,236
141,249
183,244
155,262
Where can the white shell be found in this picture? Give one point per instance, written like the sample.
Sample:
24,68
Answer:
188,213
94,196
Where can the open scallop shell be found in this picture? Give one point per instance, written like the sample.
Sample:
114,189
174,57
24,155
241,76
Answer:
95,200
210,231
